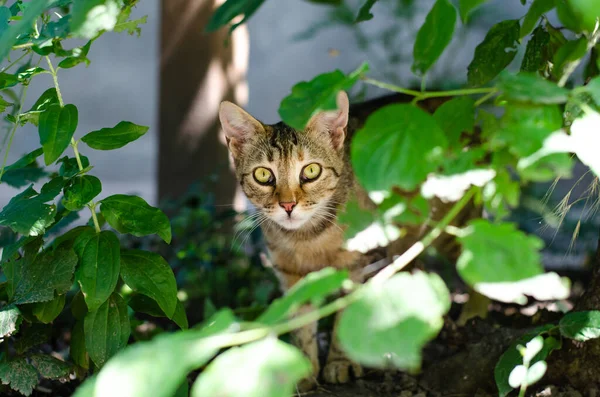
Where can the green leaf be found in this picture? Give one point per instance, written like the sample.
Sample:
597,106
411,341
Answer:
526,126
144,304
50,367
56,128
47,99
27,214
69,167
79,56
569,52
399,145
497,253
312,288
10,319
38,280
494,53
46,312
77,349
230,10
512,357
19,375
90,17
149,274
80,191
87,388
434,36
364,14
354,218
99,265
529,87
25,160
455,117
271,367
8,80
114,138
131,26
25,75
33,336
593,88
158,367
465,7
581,326
536,10
106,329
9,37
24,171
399,317
131,214
310,97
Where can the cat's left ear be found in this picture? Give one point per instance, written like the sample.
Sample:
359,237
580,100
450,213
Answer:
333,121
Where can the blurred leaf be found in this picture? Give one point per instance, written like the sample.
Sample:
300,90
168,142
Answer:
114,138
80,191
536,10
271,368
8,80
310,97
131,214
229,10
399,145
537,52
50,367
581,326
56,128
19,375
578,15
99,265
33,336
494,53
77,349
144,304
46,312
314,287
567,53
528,87
544,287
354,218
90,17
106,329
27,74
79,56
131,26
465,7
8,37
149,274
593,88
10,319
455,117
4,104
399,317
497,253
364,14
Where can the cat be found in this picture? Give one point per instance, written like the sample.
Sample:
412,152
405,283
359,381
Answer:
298,180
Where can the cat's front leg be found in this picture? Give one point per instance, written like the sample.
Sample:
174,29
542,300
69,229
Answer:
339,368
305,339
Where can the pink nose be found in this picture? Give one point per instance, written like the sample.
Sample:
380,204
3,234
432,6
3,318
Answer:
288,207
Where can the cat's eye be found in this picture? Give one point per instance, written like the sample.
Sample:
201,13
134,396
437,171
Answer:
263,176
311,172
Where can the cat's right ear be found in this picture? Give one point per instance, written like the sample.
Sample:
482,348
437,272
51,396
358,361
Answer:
238,125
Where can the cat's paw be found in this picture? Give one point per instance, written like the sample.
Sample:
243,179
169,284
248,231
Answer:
341,370
306,385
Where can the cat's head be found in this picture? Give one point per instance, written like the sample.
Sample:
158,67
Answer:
291,176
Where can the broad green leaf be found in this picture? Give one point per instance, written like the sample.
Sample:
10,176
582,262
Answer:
51,272
465,7
27,214
578,15
56,128
25,75
52,188
529,87
544,287
46,312
314,287
354,218
15,262
149,274
99,266
310,97
158,367
581,326
115,137
19,375
25,160
536,10
494,53
8,80
131,26
434,36
569,52
455,117
399,317
144,304
45,100
231,9
90,17
24,171
547,168
80,191
50,367
512,357
8,37
131,214
526,126
364,14
4,104
593,88
69,167
32,336
79,56
399,145
87,388
497,253
77,349
267,368
106,329
10,319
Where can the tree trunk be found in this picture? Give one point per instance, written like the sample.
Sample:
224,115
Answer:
197,71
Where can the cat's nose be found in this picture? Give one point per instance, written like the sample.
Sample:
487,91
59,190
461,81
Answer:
288,206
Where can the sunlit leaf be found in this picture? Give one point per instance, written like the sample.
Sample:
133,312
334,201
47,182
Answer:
115,137
581,326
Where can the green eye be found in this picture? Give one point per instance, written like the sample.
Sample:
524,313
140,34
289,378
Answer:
311,171
263,175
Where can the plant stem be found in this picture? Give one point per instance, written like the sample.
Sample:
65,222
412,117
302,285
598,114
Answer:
92,207
419,96
484,98
10,65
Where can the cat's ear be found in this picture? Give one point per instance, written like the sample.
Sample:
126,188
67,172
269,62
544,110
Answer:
238,125
333,121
